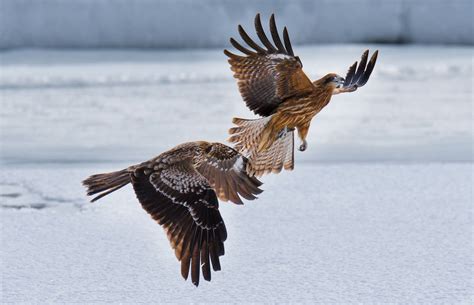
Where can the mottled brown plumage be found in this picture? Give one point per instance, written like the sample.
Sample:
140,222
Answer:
179,189
273,85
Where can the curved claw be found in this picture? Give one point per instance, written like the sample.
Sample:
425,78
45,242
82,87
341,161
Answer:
303,146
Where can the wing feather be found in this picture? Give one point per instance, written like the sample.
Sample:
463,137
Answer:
357,76
268,77
362,65
224,168
275,35
241,48
350,74
182,201
262,36
249,41
286,39
368,71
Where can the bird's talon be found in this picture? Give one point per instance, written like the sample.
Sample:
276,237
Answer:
281,133
303,146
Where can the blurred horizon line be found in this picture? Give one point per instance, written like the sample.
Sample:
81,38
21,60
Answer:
229,46
188,24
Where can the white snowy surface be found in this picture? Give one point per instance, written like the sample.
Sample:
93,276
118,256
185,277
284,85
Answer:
324,233
378,209
116,105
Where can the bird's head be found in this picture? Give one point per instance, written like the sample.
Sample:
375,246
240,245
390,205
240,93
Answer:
332,80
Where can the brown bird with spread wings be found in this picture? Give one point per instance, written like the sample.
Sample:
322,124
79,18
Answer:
273,85
179,189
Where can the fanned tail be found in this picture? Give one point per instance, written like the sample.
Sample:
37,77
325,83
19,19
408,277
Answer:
104,184
250,136
280,155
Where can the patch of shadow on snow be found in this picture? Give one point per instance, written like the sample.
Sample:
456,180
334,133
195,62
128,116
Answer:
22,196
11,195
36,206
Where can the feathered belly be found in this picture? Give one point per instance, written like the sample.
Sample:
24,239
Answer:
297,113
292,119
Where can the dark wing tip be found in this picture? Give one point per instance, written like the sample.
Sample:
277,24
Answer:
284,47
350,74
231,55
262,36
237,200
370,67
185,268
241,48
257,182
275,35
375,56
249,40
286,40
361,68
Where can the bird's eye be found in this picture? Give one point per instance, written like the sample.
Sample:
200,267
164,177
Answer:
330,79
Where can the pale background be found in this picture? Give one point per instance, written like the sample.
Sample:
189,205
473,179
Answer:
377,210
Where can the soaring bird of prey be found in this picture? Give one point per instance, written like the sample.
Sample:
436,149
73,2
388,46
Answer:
179,189
273,85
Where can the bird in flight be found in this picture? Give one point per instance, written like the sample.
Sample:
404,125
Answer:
274,86
179,189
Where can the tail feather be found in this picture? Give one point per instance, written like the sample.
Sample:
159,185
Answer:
278,156
104,184
266,153
289,160
248,133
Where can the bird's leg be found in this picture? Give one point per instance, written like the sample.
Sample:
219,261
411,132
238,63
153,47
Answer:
282,132
302,133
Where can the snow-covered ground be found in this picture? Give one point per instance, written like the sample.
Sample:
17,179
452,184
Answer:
323,233
378,209
112,105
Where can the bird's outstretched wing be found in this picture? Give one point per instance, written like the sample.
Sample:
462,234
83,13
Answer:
358,74
267,75
225,169
184,204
